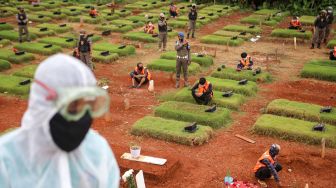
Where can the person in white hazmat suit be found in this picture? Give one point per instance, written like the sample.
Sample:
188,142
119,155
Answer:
55,147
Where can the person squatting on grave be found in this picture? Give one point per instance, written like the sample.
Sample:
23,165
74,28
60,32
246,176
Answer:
192,21
173,10
183,59
267,166
202,91
149,28
320,25
163,32
330,20
333,54
22,20
295,23
93,12
140,76
245,63
55,146
84,49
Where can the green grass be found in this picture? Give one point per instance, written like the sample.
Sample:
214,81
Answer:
59,42
94,38
10,85
127,22
38,48
207,16
180,24
32,8
304,111
182,111
68,11
39,33
242,28
122,14
6,26
204,21
113,48
143,19
50,4
254,19
290,33
108,17
97,57
230,34
14,35
114,28
331,43
52,15
55,27
215,39
4,42
307,20
184,95
266,11
171,130
144,37
10,56
320,69
90,20
250,89
205,61
35,18
294,130
27,71
231,73
4,65
170,66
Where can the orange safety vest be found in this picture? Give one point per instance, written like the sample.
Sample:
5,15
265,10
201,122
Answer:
143,72
295,23
246,62
93,12
259,164
204,88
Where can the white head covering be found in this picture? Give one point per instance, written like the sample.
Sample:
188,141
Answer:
30,158
162,15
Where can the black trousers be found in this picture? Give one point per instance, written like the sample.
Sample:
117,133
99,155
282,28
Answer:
265,173
203,99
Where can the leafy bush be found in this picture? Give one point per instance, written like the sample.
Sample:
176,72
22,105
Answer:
170,66
39,33
205,61
10,56
331,43
4,42
14,36
114,48
250,89
307,20
171,130
59,42
299,110
27,71
289,33
97,57
242,28
10,84
182,111
294,129
320,69
4,65
215,39
230,34
6,26
55,27
38,48
230,73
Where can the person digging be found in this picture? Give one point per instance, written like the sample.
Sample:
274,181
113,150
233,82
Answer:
246,62
267,167
202,91
183,59
140,76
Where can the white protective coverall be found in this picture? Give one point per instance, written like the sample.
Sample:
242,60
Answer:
30,158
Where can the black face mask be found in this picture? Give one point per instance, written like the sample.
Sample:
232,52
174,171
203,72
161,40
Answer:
68,135
140,68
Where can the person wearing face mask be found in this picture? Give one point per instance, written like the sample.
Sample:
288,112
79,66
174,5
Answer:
140,76
320,25
202,91
192,21
332,53
22,20
84,49
245,63
55,146
163,32
183,59
267,166
330,21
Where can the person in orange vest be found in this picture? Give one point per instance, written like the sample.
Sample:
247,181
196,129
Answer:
245,63
267,166
93,12
202,91
333,54
140,76
295,23
173,10
149,28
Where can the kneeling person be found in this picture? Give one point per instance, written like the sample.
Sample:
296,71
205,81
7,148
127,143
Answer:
245,63
202,91
140,76
333,54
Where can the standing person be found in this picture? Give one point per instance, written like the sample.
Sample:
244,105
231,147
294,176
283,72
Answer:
330,20
202,92
192,21
55,146
267,166
320,25
183,59
22,20
84,49
163,32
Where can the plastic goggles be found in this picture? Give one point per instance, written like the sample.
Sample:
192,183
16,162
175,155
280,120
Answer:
74,102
